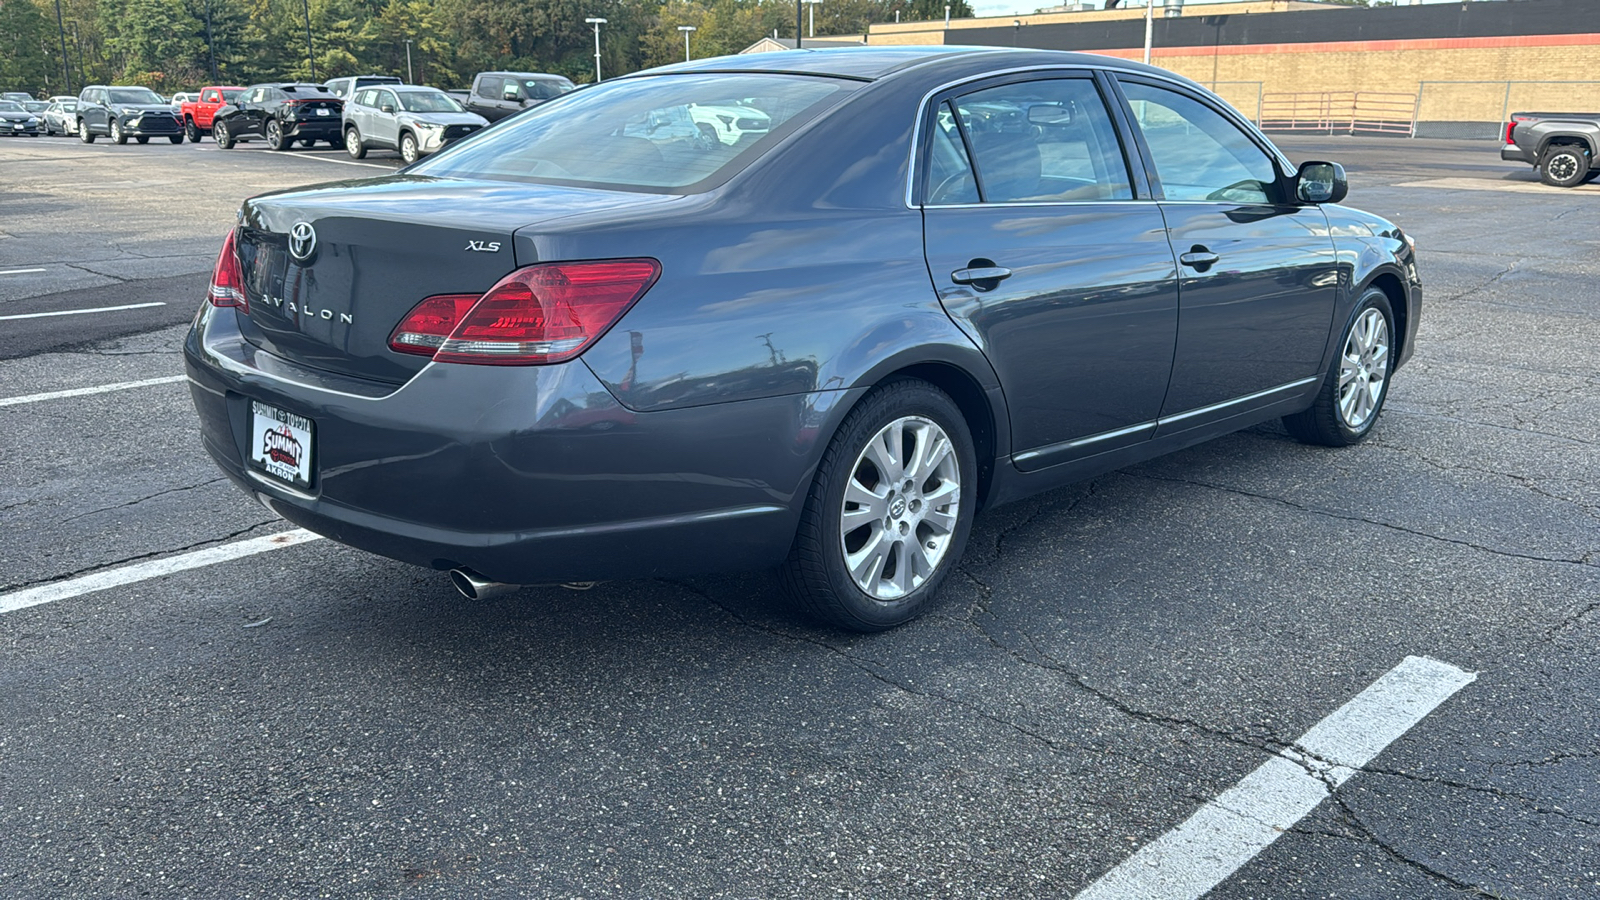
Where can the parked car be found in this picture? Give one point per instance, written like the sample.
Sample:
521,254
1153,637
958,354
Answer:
730,124
496,95
344,87
121,112
197,114
281,113
414,120
61,117
16,96
180,98
1561,146
562,352
15,119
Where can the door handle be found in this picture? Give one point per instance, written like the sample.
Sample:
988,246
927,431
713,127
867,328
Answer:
1199,258
982,273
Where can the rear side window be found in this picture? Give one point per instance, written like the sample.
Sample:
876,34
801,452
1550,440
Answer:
638,133
1048,141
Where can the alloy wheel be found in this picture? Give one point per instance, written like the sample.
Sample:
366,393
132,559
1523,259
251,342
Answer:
1562,166
900,508
1363,368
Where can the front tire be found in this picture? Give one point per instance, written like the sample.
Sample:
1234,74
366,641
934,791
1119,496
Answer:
84,134
1357,383
889,511
408,148
353,145
220,133
118,136
1564,165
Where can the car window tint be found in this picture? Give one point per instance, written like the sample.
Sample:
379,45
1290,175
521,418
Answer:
638,132
1199,154
1044,141
231,96
949,170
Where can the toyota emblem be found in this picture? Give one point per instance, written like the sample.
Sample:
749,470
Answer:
302,241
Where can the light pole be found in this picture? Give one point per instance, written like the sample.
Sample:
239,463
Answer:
947,17
687,30
1149,20
211,50
66,73
410,79
311,58
596,23
799,16
811,18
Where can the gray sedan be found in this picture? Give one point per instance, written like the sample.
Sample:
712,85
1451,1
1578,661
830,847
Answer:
414,120
584,344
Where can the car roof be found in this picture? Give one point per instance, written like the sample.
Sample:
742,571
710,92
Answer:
870,63
411,88
546,75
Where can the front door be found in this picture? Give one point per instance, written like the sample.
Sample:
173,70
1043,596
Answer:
1258,276
1041,250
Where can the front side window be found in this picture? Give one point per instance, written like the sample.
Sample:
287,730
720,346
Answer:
638,133
1199,154
385,99
544,88
1048,141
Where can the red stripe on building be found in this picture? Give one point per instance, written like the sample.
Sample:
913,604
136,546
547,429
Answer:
1470,43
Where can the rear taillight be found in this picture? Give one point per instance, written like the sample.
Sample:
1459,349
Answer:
1510,127
541,314
227,278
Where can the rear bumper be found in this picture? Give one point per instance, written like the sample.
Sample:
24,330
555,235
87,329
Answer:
1514,153
522,474
319,129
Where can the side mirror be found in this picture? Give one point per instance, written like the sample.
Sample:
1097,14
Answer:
1321,182
387,108
511,94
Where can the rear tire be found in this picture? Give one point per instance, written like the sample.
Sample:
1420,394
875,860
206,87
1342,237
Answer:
274,134
888,514
353,145
84,134
1357,382
1564,165
143,139
191,131
175,138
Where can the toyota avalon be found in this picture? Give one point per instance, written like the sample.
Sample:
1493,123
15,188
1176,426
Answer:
587,344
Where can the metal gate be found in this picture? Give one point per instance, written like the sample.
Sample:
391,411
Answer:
1350,112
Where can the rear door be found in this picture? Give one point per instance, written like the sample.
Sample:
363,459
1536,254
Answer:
1046,248
1258,276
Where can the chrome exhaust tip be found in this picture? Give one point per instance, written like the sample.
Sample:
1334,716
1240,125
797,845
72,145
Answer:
474,587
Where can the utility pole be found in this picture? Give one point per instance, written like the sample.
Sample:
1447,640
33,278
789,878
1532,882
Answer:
66,73
596,22
799,22
811,29
1149,27
947,17
211,50
410,79
687,30
311,58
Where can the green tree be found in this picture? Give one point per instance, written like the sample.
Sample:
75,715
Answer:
25,64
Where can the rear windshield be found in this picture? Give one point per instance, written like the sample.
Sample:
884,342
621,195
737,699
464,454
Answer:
544,88
135,95
427,102
641,134
230,96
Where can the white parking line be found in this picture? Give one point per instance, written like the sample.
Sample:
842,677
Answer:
1228,832
83,392
81,312
20,271
155,568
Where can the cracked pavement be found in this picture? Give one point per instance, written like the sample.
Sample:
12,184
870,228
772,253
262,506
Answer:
1109,657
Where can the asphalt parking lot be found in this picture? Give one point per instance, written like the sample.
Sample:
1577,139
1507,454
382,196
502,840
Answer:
1116,656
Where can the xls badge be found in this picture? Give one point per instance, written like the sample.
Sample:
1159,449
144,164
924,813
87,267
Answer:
302,242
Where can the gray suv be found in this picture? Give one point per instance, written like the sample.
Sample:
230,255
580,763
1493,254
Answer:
412,119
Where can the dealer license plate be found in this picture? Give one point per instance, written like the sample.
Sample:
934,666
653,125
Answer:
281,443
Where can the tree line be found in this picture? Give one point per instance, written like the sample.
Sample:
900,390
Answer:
172,45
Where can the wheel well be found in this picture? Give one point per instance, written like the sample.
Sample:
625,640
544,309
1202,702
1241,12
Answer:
975,409
1396,292
1574,140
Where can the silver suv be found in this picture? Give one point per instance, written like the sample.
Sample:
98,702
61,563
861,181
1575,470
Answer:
411,119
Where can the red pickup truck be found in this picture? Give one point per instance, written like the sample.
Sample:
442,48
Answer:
197,114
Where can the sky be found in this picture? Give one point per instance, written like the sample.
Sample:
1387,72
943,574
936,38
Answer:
1012,7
